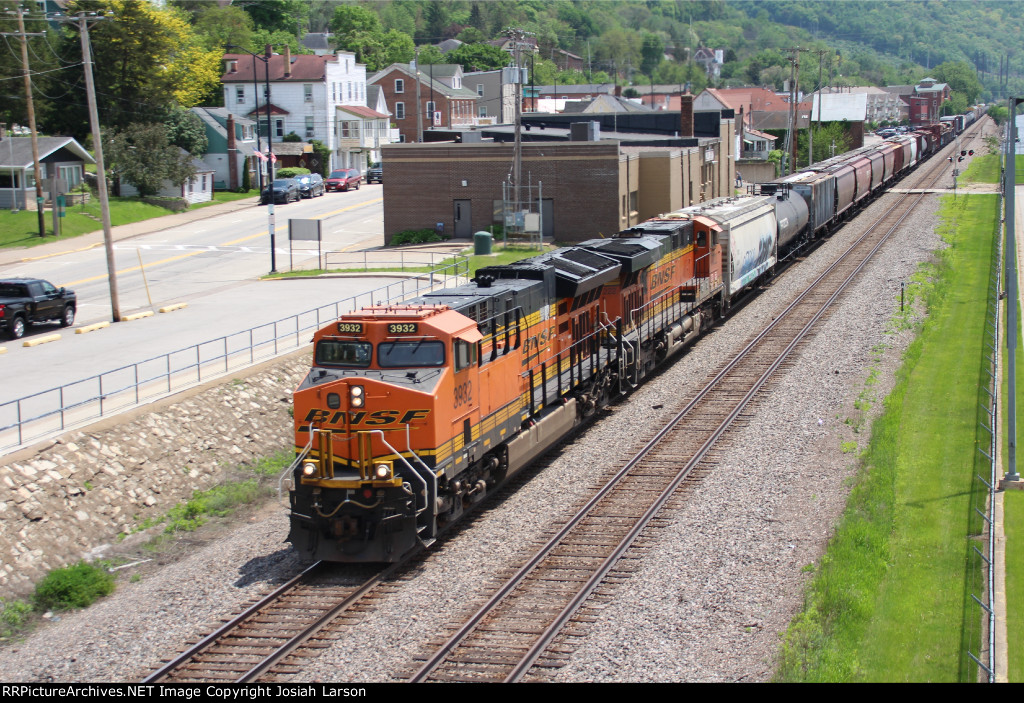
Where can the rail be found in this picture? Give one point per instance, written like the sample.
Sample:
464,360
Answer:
42,414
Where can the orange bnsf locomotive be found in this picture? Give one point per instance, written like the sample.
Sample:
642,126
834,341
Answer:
414,412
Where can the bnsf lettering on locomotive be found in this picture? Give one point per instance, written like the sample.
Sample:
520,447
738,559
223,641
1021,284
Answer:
663,276
532,346
374,419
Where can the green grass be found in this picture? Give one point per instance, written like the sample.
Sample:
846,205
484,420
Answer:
1013,524
248,484
21,229
891,598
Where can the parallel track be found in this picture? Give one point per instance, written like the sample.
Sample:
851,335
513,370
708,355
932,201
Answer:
511,632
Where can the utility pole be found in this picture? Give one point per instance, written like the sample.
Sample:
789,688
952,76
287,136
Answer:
83,19
27,75
1010,225
810,128
517,36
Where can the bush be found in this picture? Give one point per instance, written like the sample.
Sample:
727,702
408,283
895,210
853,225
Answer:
416,236
291,172
73,587
13,616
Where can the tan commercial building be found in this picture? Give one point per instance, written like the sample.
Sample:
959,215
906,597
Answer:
587,188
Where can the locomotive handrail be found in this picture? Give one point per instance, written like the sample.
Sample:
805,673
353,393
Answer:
410,467
299,458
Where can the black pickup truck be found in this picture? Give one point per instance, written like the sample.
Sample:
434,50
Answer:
24,301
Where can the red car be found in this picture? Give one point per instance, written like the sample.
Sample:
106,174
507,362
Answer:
343,179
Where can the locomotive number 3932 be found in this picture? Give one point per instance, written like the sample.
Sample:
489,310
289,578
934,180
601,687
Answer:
463,393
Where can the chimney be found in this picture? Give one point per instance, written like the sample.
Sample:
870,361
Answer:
287,61
232,154
685,115
618,91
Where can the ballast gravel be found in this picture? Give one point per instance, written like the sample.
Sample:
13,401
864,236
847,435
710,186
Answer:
720,578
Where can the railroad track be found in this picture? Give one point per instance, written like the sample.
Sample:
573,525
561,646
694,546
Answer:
510,634
257,641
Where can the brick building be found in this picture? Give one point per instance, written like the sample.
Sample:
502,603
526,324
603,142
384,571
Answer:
443,101
589,188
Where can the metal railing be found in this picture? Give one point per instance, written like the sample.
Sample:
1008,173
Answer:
981,563
385,259
52,411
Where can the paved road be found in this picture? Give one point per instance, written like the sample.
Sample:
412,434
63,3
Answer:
212,264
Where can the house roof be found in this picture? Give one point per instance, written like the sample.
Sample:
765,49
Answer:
206,114
304,67
317,41
262,111
755,134
363,111
603,104
16,152
448,45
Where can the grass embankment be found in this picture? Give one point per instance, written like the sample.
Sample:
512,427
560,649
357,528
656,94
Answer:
985,169
21,229
891,599
503,254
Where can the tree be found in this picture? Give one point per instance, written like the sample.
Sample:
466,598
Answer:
961,77
185,129
358,30
287,15
478,57
216,27
140,154
144,60
652,51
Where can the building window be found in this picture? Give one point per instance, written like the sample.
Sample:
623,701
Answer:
482,111
349,91
309,127
239,94
399,85
431,108
480,89
401,139
307,92
279,129
456,82
399,111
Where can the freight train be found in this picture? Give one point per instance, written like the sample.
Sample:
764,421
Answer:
413,413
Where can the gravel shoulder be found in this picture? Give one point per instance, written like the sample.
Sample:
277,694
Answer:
720,583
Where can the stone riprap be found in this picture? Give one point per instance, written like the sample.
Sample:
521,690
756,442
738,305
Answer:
70,497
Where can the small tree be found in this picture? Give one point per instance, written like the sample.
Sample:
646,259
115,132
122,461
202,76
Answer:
140,154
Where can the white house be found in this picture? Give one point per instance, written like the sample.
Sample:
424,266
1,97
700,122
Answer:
361,133
198,189
305,92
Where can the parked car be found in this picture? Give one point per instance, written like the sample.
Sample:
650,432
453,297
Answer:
26,301
343,179
310,185
375,173
283,190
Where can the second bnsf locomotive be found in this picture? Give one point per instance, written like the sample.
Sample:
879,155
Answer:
412,413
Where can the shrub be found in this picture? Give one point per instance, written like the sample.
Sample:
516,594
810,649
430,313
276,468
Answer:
13,615
73,587
416,236
291,172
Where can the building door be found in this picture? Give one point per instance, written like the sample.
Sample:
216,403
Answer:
463,220
547,218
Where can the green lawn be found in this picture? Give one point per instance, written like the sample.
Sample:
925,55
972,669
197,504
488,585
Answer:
21,229
891,599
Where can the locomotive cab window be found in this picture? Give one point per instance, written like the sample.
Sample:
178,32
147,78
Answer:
350,354
465,355
702,240
411,354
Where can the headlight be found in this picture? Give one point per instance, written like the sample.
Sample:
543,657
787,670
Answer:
308,469
382,472
356,397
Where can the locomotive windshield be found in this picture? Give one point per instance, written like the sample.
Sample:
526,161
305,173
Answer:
410,354
351,354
